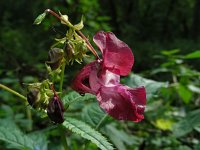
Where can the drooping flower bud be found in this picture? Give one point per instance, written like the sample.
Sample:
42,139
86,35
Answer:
55,110
55,58
33,97
69,52
38,94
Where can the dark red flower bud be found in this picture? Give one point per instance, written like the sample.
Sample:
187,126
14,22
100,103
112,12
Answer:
55,110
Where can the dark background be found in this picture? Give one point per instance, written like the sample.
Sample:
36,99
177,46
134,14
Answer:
146,26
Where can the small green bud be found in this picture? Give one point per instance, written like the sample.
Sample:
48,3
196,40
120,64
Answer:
80,25
40,18
64,20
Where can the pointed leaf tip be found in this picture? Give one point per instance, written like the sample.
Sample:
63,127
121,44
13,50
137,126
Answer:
80,25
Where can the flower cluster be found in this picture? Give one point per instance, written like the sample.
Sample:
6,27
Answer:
102,78
42,96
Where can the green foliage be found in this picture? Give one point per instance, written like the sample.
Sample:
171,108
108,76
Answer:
76,97
120,138
184,93
187,124
152,87
40,140
195,54
92,114
16,138
87,132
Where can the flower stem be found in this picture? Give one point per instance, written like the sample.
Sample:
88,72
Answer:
13,92
28,111
62,77
63,138
101,121
29,116
96,128
89,46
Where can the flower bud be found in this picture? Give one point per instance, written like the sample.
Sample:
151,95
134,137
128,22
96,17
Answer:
55,58
33,97
55,110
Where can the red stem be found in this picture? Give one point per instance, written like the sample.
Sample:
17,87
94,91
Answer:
89,46
54,91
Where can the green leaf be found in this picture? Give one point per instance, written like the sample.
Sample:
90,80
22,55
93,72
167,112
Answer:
16,138
197,147
87,132
170,52
80,25
191,121
194,88
120,138
40,140
152,87
183,147
184,93
193,55
164,124
40,18
75,97
92,114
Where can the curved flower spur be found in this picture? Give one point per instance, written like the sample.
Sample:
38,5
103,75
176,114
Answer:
102,78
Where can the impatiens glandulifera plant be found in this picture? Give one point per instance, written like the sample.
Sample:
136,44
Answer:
101,78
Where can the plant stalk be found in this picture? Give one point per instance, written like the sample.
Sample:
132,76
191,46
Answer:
96,128
13,92
101,121
63,137
29,116
28,111
62,77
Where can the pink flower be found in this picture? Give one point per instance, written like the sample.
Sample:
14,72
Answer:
102,78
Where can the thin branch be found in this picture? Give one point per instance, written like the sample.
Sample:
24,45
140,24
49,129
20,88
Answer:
13,92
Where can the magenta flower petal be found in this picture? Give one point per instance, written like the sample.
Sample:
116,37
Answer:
81,82
117,56
139,97
92,77
121,104
100,78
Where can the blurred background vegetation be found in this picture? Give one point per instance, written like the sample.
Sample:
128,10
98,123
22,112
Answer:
163,34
